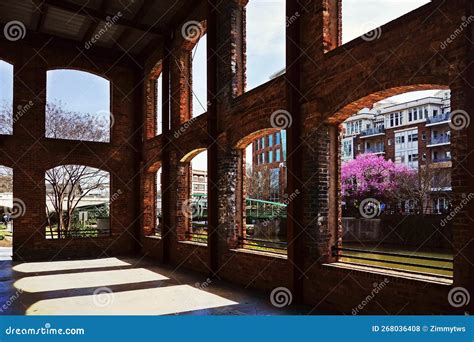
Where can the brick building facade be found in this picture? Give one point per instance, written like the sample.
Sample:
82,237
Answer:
269,155
415,133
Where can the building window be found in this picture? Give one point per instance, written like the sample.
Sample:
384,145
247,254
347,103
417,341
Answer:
6,99
194,208
351,15
158,207
270,140
268,17
199,77
77,202
278,138
77,106
159,105
263,187
8,207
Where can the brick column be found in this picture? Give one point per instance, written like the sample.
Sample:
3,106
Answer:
28,174
294,148
166,186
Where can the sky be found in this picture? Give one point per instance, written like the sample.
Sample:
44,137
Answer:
266,25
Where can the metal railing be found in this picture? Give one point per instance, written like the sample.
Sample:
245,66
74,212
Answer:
78,233
373,131
260,209
196,237
443,139
438,118
441,159
409,260
376,149
278,247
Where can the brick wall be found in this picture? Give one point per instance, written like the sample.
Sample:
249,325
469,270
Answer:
406,57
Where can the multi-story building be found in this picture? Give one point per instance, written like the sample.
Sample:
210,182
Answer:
269,155
415,133
199,182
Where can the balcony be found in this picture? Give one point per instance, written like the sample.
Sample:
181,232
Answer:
438,119
375,150
372,132
441,159
438,141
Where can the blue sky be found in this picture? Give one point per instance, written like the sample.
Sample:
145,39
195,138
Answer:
266,24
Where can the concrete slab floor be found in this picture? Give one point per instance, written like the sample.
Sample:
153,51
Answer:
123,286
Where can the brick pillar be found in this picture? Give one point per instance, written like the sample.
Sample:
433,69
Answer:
294,148
229,72
320,192
166,184
28,174
229,227
466,274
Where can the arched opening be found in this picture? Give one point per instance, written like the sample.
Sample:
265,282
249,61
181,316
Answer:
78,106
159,105
10,209
395,174
6,98
77,202
364,17
194,207
265,34
199,77
262,190
158,204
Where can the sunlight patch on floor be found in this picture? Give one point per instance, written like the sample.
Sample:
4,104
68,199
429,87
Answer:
44,283
155,301
50,266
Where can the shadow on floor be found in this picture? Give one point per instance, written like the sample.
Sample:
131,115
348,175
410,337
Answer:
123,286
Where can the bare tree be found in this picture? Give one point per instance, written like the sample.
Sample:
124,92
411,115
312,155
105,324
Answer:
420,186
64,124
6,119
69,184
6,179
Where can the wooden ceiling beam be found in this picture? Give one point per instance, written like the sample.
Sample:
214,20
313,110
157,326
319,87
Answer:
99,15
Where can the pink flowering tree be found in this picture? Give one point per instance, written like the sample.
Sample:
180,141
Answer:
371,176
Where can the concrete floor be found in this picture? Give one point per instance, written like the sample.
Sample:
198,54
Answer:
122,286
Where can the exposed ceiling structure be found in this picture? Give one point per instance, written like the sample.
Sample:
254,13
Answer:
122,25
